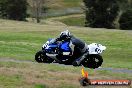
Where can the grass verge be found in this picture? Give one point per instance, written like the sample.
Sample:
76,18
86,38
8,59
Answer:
74,21
21,40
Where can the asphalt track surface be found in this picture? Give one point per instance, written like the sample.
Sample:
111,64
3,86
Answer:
117,70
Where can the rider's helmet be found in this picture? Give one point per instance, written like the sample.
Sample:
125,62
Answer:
65,35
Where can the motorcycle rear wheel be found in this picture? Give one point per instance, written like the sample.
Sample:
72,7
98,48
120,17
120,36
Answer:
93,61
41,57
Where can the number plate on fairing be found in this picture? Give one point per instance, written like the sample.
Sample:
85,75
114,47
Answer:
66,53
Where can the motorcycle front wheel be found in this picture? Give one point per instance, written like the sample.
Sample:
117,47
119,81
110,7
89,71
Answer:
93,61
41,57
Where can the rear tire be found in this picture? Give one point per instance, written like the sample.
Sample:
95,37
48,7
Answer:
93,61
41,57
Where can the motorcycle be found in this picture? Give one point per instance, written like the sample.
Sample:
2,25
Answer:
62,53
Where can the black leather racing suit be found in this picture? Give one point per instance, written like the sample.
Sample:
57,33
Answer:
82,48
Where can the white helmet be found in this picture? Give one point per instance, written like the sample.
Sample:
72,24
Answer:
65,35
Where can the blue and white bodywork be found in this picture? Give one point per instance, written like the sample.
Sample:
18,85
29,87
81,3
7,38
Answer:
96,48
53,50
64,52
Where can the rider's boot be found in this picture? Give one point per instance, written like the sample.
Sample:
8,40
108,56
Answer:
78,61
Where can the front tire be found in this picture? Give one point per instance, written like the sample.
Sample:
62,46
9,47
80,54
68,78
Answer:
93,61
41,57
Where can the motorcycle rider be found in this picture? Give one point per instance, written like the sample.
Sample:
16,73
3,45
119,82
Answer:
66,36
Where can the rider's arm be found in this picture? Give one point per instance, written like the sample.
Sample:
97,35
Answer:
55,40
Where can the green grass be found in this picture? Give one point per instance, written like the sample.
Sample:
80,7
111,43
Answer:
28,75
72,3
31,75
40,86
74,21
21,40
18,45
13,81
61,4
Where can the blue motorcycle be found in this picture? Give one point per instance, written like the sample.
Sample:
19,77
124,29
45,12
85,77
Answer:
61,52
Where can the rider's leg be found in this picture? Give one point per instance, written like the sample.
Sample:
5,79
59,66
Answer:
78,61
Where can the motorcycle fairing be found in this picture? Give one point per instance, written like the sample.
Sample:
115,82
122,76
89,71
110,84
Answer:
66,51
96,48
64,46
